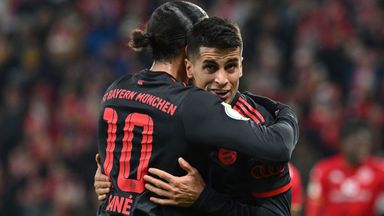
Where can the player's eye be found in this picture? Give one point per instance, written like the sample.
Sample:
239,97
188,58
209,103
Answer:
210,68
231,67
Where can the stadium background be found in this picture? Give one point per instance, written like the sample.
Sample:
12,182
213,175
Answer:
323,57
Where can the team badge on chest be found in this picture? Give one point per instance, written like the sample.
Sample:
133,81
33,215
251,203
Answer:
227,157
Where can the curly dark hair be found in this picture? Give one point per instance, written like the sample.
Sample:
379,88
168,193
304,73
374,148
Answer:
166,31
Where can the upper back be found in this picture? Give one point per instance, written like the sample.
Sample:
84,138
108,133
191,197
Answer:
148,103
140,126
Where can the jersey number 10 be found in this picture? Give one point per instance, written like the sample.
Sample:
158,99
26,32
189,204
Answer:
133,120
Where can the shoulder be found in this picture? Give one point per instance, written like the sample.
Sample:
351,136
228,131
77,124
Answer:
119,80
205,105
199,96
377,163
245,103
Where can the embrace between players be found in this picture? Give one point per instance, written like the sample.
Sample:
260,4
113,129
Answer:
237,145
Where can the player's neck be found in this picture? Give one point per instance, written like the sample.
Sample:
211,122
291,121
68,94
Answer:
174,67
353,162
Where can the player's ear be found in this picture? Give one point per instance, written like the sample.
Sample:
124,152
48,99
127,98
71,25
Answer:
188,68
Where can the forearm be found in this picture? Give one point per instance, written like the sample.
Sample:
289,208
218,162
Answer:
211,124
287,130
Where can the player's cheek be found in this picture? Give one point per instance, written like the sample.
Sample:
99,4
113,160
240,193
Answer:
207,82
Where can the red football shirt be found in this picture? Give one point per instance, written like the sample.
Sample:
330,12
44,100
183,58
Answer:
336,188
297,188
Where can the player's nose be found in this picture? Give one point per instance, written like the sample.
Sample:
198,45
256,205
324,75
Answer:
221,77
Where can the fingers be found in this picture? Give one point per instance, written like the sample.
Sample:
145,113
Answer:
158,183
162,174
185,165
97,159
102,191
102,197
102,184
100,176
162,201
101,180
158,191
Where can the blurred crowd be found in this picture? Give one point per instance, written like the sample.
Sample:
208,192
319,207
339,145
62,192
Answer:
323,57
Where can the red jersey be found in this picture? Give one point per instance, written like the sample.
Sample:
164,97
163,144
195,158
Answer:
336,188
297,188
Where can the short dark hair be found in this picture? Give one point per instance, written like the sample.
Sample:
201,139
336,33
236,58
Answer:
166,31
214,33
